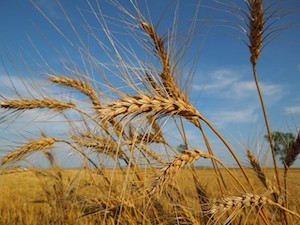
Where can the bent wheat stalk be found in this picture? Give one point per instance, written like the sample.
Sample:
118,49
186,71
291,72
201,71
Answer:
174,92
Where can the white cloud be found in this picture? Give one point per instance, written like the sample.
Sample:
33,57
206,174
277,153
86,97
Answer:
231,84
218,79
247,89
292,110
12,87
271,89
222,118
35,120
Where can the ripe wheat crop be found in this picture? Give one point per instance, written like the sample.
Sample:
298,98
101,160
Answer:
130,171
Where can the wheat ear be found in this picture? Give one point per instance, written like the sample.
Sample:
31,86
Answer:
14,170
261,175
32,146
136,105
99,144
152,154
169,171
79,85
245,201
167,75
89,91
256,32
256,28
37,104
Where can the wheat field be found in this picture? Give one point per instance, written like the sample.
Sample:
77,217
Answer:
130,171
26,195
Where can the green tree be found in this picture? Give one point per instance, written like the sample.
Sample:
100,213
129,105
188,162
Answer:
282,143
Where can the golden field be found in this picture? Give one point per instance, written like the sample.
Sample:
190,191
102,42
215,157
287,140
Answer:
57,196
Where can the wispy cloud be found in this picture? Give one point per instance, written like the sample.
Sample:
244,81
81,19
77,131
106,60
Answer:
218,79
16,86
225,117
233,98
231,84
247,89
292,110
36,120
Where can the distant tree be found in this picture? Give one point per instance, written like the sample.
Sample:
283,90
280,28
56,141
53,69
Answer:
181,148
282,143
292,152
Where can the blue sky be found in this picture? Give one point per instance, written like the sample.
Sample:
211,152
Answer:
223,88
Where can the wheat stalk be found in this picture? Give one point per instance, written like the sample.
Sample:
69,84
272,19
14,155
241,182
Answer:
203,199
256,31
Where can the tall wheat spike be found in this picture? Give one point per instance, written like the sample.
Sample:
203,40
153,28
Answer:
256,28
256,32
